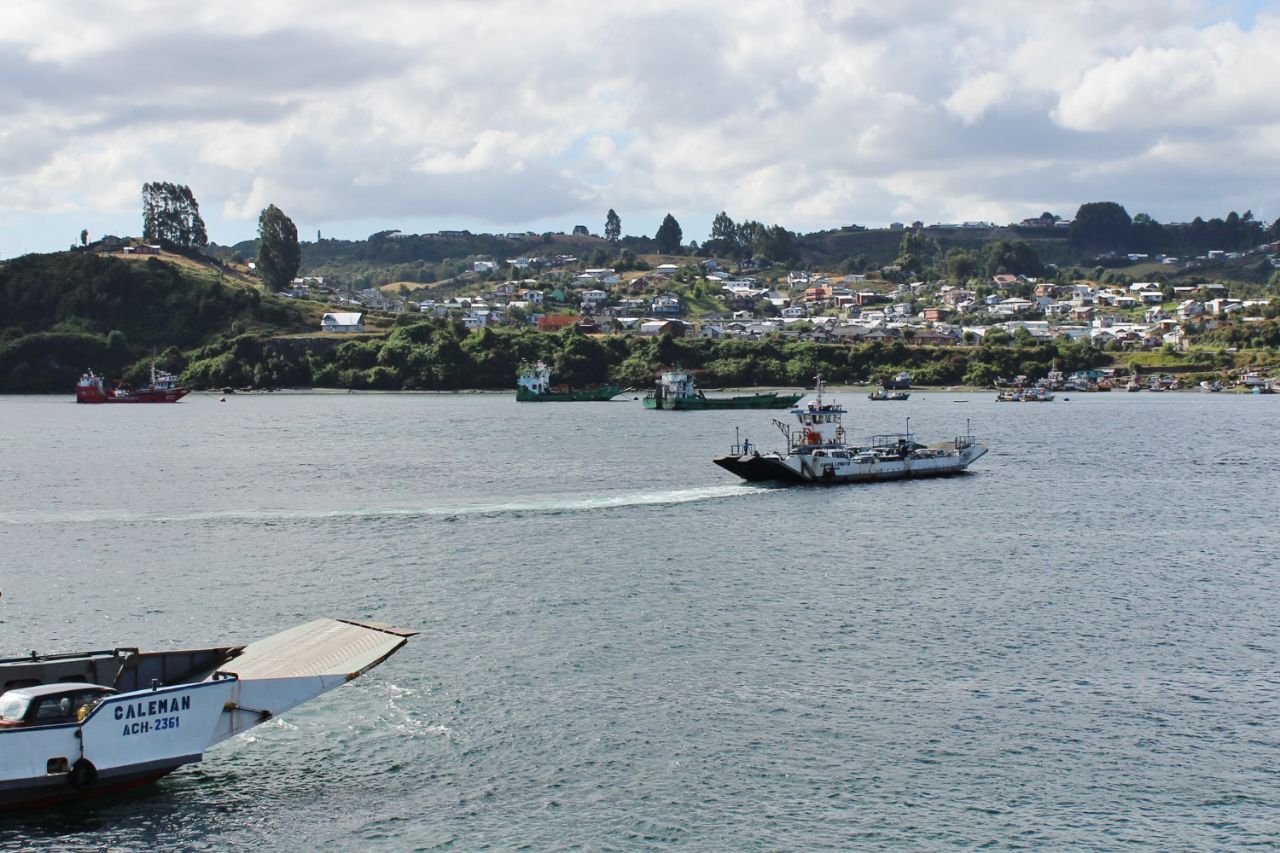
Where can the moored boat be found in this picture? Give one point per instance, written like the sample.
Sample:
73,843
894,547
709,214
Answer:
816,452
98,722
886,394
900,382
1034,394
675,391
533,385
163,388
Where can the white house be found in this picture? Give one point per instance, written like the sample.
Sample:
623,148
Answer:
342,322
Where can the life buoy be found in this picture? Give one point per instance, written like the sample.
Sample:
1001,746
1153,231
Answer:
82,775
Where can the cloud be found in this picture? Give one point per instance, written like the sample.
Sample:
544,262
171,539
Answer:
501,114
1216,76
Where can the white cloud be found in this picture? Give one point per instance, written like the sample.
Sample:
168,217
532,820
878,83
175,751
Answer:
975,96
506,113
1215,76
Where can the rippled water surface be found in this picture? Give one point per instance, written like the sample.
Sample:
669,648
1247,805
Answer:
623,647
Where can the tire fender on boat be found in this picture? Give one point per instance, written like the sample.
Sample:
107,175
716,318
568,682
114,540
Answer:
83,774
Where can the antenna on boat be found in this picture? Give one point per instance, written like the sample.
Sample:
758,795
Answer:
908,426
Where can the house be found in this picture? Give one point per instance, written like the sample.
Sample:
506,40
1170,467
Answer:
1004,281
342,322
555,322
1190,309
483,266
933,315
653,328
533,297
667,304
594,298
934,337
1013,305
794,312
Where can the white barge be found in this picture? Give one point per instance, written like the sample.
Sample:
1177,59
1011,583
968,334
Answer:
92,723
817,452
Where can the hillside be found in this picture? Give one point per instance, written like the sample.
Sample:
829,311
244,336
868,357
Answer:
68,311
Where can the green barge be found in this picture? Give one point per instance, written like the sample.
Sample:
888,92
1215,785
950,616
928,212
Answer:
675,391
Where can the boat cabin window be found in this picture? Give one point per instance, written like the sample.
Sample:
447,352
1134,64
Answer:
45,707
13,708
52,711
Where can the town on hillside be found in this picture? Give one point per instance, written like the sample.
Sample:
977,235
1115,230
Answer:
701,298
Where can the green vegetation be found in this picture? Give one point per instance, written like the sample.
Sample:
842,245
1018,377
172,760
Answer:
213,324
278,252
171,216
71,311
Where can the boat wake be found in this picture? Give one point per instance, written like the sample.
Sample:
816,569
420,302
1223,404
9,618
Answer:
549,506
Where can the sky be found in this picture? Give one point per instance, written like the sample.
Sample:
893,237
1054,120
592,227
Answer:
497,116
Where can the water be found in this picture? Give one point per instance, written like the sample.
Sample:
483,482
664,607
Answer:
623,647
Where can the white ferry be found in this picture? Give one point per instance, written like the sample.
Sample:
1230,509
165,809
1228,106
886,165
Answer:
817,452
93,723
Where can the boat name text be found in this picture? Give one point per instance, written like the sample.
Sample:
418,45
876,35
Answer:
153,707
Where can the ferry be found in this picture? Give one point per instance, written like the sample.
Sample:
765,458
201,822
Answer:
533,385
163,388
817,452
675,390
81,725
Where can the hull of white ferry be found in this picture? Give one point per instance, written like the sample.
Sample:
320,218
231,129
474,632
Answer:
837,465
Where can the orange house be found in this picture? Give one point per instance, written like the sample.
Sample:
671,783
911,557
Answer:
555,322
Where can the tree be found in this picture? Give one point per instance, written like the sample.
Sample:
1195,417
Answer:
724,236
669,236
917,252
1100,225
962,264
84,236
279,255
580,231
612,226
170,214
1013,257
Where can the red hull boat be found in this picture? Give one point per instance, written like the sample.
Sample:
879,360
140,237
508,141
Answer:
164,388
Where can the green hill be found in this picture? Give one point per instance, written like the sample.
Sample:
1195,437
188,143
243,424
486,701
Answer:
68,311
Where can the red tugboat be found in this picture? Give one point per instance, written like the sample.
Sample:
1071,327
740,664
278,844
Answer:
164,388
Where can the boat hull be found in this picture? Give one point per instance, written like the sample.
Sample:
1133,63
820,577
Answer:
807,468
696,403
142,395
591,395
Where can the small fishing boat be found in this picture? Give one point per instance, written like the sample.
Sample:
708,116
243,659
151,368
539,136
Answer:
886,394
163,388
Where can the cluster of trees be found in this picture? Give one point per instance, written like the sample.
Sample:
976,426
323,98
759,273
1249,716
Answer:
170,215
1105,226
441,355
750,240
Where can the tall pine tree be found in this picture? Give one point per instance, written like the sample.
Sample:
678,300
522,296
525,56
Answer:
279,255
